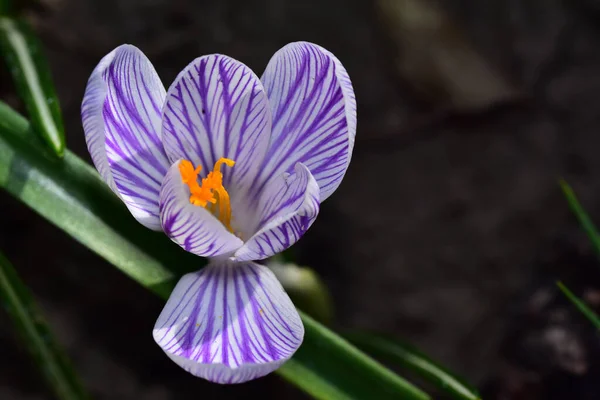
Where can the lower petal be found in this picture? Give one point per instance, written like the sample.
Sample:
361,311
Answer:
229,323
192,227
288,207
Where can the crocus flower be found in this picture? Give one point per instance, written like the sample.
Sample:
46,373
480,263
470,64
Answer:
233,168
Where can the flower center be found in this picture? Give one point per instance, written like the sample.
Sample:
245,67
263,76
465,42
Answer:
210,193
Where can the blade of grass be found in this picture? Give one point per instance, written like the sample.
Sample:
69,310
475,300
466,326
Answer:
36,335
407,356
582,216
22,52
316,354
70,194
580,304
594,237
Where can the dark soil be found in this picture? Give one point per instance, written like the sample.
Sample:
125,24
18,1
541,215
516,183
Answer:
449,230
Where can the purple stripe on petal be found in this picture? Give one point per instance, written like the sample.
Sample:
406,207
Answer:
229,323
192,227
314,114
93,121
121,114
287,208
217,107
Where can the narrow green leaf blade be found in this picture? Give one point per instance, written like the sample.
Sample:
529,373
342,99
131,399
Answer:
594,237
71,195
23,55
28,321
407,356
582,216
580,304
323,351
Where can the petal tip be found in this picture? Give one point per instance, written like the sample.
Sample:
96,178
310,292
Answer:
224,374
120,114
325,97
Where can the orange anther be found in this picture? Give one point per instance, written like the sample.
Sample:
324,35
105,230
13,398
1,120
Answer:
210,190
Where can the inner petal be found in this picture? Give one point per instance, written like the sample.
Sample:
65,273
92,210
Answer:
286,209
210,193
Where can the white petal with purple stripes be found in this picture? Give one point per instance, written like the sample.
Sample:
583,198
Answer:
121,114
229,323
93,121
287,208
217,107
314,114
192,227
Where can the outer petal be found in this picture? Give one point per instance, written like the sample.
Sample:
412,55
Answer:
314,114
287,208
217,107
192,227
121,113
229,323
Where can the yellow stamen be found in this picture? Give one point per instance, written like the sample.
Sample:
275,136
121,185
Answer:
210,194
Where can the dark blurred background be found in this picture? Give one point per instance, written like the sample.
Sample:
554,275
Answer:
449,230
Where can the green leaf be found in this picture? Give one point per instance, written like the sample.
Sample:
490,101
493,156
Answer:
585,310
71,195
22,52
321,357
394,351
28,321
581,215
592,233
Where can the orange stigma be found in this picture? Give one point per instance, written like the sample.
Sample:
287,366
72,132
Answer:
210,193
